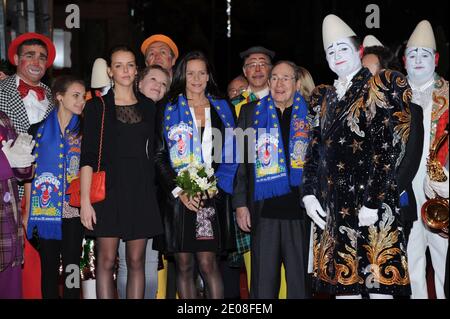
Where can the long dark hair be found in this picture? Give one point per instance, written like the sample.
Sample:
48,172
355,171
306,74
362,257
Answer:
60,86
179,79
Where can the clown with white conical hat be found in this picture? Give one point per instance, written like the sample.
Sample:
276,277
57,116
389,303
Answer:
371,41
377,57
347,196
430,91
100,81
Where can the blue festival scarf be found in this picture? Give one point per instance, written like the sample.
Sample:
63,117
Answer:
271,175
57,164
184,141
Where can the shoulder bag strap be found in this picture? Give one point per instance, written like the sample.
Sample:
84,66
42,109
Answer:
100,146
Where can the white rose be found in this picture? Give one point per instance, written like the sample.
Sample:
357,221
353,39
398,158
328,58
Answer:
202,183
192,172
209,172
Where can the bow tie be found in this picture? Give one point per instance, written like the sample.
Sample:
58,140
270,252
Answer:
24,88
341,87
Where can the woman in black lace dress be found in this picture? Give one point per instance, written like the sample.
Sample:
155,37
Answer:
130,210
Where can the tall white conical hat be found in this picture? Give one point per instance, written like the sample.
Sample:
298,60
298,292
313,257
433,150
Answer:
423,36
99,76
371,41
333,29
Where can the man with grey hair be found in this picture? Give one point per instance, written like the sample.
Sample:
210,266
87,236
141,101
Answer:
267,186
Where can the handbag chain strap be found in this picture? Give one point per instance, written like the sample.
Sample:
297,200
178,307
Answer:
101,135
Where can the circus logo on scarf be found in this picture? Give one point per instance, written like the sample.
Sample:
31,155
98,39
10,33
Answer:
72,170
48,185
267,155
298,153
301,128
180,136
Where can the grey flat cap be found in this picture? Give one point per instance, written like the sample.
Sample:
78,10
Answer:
257,49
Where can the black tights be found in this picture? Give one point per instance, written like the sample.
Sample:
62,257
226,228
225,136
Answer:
106,262
209,270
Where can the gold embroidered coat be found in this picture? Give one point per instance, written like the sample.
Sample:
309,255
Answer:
357,145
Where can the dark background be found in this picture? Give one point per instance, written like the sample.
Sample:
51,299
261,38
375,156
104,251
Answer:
292,28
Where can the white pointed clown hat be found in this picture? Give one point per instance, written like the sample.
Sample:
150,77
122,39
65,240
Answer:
371,41
99,77
422,37
333,29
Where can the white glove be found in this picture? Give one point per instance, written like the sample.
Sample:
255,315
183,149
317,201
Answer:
19,155
432,188
315,210
25,142
367,216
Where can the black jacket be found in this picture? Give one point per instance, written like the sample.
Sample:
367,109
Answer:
410,164
172,209
109,160
244,184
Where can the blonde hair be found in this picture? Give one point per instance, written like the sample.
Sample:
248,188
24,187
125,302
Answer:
305,82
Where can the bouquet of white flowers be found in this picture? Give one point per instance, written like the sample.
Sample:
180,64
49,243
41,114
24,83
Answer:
197,180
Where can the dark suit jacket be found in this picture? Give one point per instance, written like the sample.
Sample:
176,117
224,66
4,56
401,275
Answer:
244,183
172,209
410,164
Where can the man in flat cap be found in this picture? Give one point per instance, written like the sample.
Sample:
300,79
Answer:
256,68
360,127
430,91
23,97
257,64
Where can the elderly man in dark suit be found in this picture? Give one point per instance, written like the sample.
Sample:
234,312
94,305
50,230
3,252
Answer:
267,186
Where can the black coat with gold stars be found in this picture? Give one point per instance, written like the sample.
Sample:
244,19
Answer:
357,145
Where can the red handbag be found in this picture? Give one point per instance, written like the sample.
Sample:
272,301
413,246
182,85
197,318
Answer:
98,189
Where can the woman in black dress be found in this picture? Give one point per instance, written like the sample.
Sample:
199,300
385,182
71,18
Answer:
130,210
193,98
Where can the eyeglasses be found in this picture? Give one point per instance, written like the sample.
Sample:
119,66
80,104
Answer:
31,56
253,65
236,92
284,79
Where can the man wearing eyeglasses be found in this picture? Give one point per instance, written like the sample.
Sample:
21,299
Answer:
23,97
237,86
267,185
256,68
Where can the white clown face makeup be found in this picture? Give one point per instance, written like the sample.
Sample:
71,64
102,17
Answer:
343,58
420,64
